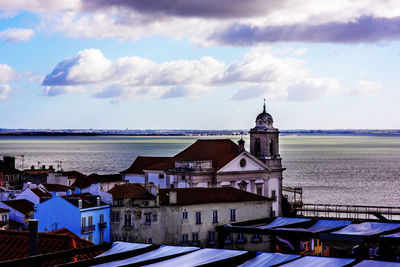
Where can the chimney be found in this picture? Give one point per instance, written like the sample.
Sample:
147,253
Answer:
80,203
32,167
43,167
241,145
98,201
33,237
173,197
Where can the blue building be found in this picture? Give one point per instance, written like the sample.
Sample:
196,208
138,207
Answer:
83,214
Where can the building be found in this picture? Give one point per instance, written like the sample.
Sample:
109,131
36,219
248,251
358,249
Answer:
34,194
37,176
184,216
83,214
104,182
21,210
131,205
220,163
10,177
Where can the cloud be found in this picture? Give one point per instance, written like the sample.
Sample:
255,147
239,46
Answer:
7,75
260,73
16,35
208,22
4,91
369,88
364,29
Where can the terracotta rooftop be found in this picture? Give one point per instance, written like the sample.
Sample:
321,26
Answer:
22,205
132,191
190,196
40,192
57,187
143,163
85,181
220,151
88,200
14,245
72,174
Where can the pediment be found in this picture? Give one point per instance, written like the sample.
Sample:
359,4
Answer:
245,162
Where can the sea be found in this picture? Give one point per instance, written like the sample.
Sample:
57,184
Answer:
354,170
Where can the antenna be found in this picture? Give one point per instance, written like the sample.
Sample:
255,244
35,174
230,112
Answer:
22,160
264,105
59,165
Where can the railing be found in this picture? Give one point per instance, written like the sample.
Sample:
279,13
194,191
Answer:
102,225
349,211
88,229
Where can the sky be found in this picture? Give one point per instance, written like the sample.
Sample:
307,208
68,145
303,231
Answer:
199,64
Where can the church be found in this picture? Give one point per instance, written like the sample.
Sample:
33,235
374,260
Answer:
220,163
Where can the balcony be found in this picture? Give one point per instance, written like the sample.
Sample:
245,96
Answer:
241,241
196,243
88,229
102,226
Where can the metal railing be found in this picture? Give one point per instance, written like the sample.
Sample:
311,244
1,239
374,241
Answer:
349,211
88,229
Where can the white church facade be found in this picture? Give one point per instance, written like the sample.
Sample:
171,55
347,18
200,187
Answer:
220,163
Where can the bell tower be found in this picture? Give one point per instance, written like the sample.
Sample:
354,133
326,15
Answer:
264,139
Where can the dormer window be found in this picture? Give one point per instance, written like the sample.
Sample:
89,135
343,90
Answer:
259,122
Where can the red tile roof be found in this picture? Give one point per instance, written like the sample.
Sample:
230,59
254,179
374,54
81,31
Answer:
220,151
143,163
57,187
190,196
40,193
83,182
131,191
22,205
88,200
14,245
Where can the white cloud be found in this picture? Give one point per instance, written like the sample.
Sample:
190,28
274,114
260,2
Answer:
7,73
4,91
369,88
260,73
16,35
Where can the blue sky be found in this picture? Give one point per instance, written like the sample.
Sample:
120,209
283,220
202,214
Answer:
199,64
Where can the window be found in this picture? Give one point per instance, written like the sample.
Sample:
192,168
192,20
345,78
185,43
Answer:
214,216
154,217
90,238
240,238
83,222
101,218
195,237
147,218
185,239
6,178
227,239
273,194
101,237
127,221
90,220
185,215
149,240
259,191
198,217
161,175
115,216
256,238
146,202
4,218
183,177
118,203
233,215
211,238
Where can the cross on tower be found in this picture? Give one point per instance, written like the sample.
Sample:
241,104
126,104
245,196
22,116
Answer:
264,105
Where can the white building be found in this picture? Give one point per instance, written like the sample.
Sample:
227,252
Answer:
220,163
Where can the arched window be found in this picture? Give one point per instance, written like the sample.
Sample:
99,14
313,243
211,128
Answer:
271,148
257,148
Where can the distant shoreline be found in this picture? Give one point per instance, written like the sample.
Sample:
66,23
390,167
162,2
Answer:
10,132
